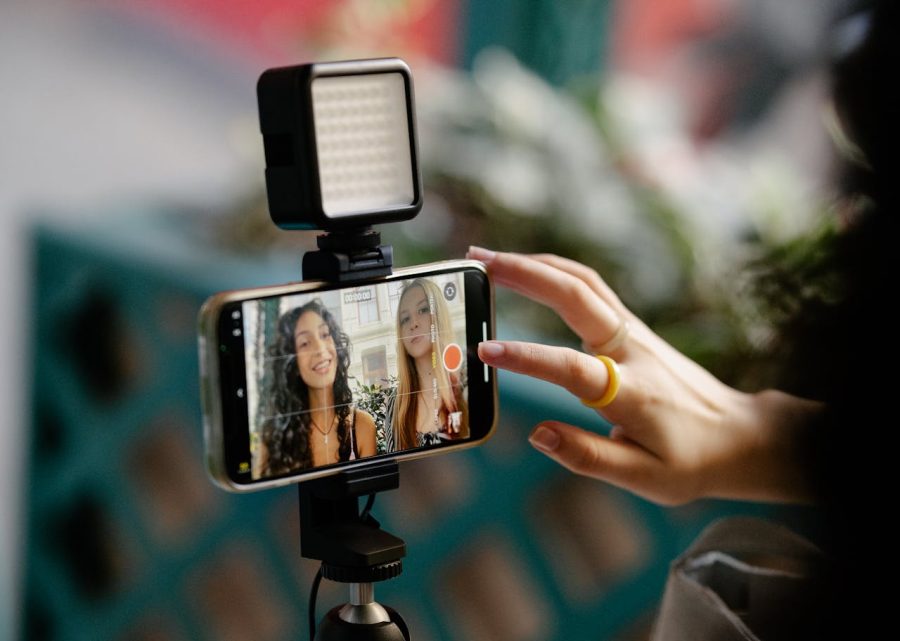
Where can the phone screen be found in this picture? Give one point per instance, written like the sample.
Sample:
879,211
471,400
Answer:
338,375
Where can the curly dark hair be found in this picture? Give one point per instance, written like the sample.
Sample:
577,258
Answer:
286,433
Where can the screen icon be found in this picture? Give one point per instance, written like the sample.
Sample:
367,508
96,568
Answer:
450,291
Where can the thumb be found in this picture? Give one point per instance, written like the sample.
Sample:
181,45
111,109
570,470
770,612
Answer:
622,463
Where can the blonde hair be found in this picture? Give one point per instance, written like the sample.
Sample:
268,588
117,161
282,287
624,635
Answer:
406,404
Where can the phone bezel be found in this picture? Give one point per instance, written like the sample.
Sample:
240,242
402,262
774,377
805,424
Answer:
218,368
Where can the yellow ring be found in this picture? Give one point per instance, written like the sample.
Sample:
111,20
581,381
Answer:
612,387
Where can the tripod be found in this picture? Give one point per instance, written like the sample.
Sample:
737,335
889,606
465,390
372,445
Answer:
307,186
352,547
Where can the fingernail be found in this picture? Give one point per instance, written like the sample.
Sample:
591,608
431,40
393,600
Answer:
491,349
480,253
544,439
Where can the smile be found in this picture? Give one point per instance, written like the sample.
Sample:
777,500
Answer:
322,367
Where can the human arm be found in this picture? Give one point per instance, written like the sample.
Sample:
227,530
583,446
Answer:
679,433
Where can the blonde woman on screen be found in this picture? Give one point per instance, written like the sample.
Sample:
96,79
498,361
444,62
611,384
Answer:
428,407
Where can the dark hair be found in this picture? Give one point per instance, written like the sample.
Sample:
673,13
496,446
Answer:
286,433
840,343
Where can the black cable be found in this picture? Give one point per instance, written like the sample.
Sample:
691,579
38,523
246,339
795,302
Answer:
313,594
364,515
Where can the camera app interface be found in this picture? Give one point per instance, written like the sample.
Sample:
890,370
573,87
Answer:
339,375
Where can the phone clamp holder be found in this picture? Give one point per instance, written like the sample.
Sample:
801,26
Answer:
353,549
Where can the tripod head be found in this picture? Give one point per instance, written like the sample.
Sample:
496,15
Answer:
353,549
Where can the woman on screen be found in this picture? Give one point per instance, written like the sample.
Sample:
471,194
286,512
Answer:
312,421
428,406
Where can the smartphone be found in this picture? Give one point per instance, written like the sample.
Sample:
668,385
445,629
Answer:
308,379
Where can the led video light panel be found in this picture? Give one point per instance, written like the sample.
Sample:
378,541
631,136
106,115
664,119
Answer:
362,139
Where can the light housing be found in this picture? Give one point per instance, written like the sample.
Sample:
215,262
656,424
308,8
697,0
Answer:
340,144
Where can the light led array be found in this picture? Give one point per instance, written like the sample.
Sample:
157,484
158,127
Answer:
362,141
340,144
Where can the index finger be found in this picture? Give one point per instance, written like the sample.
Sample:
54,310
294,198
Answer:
589,276
589,316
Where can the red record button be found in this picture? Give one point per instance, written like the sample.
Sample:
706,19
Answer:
453,357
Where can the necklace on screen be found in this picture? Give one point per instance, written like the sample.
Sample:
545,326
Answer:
325,433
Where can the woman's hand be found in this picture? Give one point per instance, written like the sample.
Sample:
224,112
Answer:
679,433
